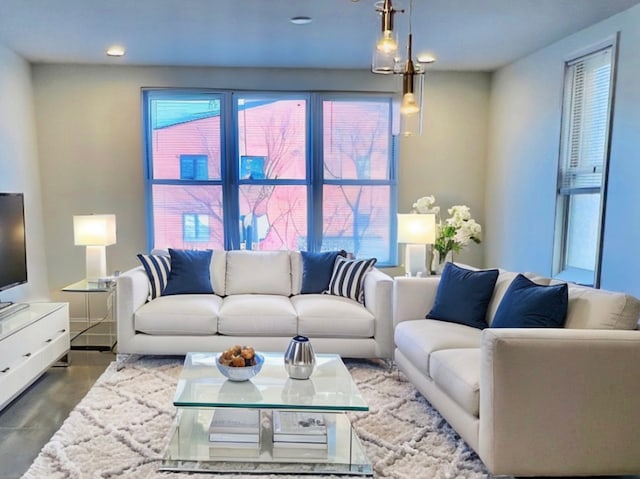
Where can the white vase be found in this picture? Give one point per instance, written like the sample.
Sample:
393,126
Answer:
437,265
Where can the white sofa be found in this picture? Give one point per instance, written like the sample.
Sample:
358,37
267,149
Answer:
258,303
531,402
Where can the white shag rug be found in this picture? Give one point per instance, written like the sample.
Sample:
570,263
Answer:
121,427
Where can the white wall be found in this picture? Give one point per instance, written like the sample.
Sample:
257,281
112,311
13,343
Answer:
19,171
90,140
523,157
448,159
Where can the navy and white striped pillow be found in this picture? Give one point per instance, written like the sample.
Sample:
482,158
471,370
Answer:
348,277
158,268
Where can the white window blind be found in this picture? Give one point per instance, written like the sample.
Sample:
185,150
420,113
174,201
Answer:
582,165
587,111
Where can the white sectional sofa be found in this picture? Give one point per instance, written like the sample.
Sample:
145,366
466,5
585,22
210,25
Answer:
256,301
531,401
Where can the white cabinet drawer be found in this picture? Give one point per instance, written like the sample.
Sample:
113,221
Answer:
17,348
52,328
31,348
21,367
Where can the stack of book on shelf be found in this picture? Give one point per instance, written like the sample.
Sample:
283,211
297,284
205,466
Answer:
235,432
299,434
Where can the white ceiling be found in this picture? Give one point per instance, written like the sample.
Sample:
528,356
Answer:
463,34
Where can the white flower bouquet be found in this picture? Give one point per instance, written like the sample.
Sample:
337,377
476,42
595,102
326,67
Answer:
455,232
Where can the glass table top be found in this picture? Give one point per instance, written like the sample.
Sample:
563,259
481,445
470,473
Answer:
85,286
329,388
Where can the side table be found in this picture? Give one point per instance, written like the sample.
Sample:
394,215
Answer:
93,334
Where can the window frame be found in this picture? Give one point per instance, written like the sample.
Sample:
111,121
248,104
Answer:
392,169
565,195
235,164
230,180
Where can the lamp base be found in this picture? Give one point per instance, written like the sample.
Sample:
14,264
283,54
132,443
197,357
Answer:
415,260
96,263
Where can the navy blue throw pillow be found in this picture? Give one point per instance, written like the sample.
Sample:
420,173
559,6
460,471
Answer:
189,272
463,296
526,304
317,269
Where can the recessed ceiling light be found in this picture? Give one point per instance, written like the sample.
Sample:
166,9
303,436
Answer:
300,20
115,51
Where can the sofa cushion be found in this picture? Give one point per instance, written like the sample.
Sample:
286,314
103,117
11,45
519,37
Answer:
157,268
258,272
317,269
321,315
530,305
463,296
189,272
591,308
257,315
417,339
218,271
181,315
457,373
347,278
296,272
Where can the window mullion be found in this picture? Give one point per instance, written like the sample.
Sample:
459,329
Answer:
315,168
229,133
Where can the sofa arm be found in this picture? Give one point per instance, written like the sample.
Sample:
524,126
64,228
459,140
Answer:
378,289
132,291
413,297
560,402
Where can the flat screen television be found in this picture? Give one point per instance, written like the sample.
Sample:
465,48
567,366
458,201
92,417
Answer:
13,248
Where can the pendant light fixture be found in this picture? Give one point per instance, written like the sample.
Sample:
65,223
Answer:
409,105
386,48
387,42
412,75
412,88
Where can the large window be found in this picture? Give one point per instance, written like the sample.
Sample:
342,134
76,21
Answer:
583,165
267,171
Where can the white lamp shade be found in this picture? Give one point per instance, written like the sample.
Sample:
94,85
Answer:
94,230
417,228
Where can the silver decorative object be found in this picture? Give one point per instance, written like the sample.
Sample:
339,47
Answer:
299,359
240,373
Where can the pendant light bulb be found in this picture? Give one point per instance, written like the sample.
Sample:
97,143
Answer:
387,43
409,105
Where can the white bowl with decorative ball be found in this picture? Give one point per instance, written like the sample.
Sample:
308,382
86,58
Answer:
234,373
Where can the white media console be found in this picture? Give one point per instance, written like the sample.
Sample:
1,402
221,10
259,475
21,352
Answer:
31,340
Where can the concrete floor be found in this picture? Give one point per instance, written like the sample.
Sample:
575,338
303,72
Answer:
28,422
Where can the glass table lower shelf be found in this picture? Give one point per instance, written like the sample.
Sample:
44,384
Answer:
191,451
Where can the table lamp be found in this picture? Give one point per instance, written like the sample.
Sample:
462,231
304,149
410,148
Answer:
416,231
96,232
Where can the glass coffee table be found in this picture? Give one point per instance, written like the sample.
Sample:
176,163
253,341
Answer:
202,389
